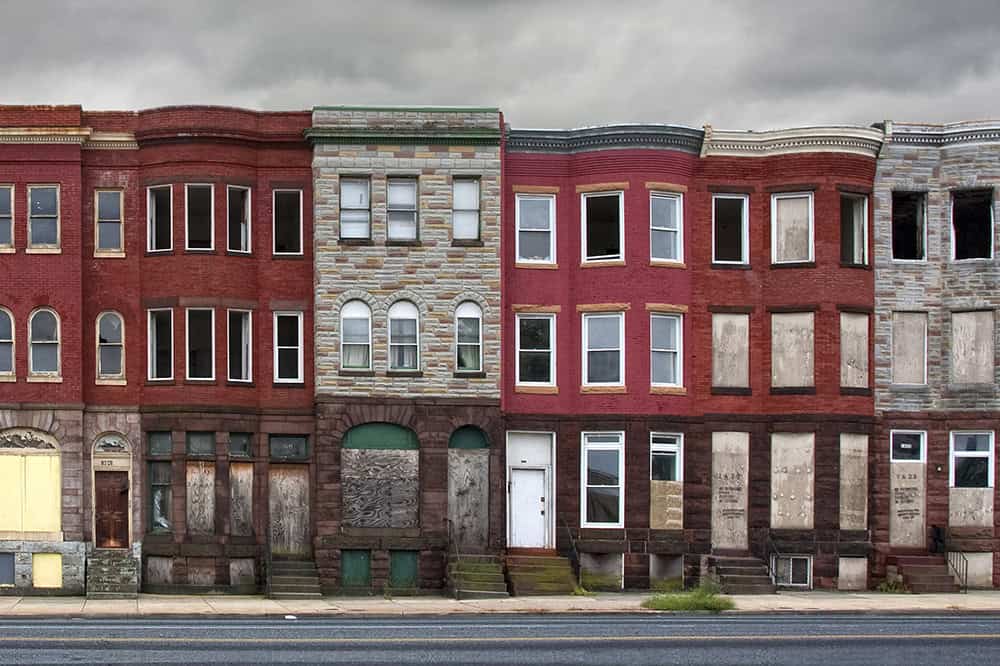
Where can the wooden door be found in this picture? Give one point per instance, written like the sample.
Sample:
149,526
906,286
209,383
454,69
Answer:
111,493
288,504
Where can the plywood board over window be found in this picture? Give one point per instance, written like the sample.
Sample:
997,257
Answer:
792,349
972,347
792,480
853,350
201,497
909,348
731,350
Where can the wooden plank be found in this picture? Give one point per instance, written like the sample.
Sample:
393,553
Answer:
288,504
241,498
201,497
468,498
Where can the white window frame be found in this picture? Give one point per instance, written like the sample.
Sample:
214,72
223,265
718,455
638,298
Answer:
478,210
809,569
44,247
150,350
863,198
469,305
109,252
187,345
679,367
301,365
745,228
892,359
10,376
150,212
229,333
551,318
951,226
249,212
274,221
107,378
619,447
211,218
679,198
371,354
775,198
923,444
9,247
389,319
923,203
400,180
551,199
340,198
990,455
677,448
621,348
58,343
583,226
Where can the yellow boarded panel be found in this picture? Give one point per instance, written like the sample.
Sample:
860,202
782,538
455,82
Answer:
11,492
46,570
43,494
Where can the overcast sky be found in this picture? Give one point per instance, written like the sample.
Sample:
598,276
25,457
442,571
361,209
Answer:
737,65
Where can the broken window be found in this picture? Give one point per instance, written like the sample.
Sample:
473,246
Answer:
972,224
240,347
6,217
159,228
355,208
159,496
43,217
287,221
465,209
536,232
906,445
731,350
238,214
908,219
200,217
972,459
200,344
972,347
286,447
909,347
854,229
288,347
729,229
791,228
110,346
161,344
239,444
535,349
602,224
792,349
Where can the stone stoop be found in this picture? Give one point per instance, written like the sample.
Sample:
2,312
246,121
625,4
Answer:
742,575
539,574
294,579
476,577
112,574
922,573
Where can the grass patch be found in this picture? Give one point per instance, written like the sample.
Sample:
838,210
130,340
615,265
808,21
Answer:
698,599
892,587
581,592
602,582
667,585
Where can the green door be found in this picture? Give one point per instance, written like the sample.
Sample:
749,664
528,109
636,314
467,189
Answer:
356,570
403,569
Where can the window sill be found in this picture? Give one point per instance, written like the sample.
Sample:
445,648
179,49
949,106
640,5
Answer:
403,243
290,255
44,379
195,381
537,266
667,390
793,390
160,382
972,260
356,373
855,390
356,241
8,377
43,250
159,253
109,254
290,384
664,263
793,264
860,267
108,381
965,389
910,388
730,267
731,390
7,250
472,374
603,389
404,373
601,263
537,390
236,382
238,253
200,250
466,242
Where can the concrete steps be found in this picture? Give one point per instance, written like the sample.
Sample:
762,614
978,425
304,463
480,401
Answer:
112,574
294,579
539,574
476,577
742,574
924,573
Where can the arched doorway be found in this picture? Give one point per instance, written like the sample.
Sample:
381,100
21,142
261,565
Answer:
469,489
112,500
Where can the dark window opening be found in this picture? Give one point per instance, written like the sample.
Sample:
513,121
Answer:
907,446
972,224
201,443
239,346
729,230
853,246
161,345
159,218
286,447
908,225
239,219
199,217
199,336
159,443
160,497
287,222
239,444
603,227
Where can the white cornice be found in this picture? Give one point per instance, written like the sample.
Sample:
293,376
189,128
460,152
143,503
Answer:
941,136
80,136
854,140
111,141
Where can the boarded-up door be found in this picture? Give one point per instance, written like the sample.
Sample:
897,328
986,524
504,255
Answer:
468,498
111,509
288,505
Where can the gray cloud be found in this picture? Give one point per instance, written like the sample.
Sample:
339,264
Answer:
556,64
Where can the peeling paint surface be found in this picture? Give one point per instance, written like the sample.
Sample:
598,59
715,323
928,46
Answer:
854,350
288,505
380,487
730,469
792,479
666,505
972,347
792,349
730,350
241,498
908,511
201,497
853,481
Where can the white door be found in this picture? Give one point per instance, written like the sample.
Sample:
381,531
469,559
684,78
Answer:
527,508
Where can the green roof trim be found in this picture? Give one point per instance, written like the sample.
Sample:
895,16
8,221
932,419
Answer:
419,109
471,137
381,436
468,437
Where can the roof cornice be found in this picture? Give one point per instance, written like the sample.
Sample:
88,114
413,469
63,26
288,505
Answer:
668,137
84,137
408,136
940,136
854,140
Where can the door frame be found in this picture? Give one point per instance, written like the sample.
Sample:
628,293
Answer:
550,476
110,461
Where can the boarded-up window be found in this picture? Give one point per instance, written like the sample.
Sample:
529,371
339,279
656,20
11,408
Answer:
853,481
731,350
792,350
909,347
201,497
791,228
380,471
792,480
972,347
30,493
853,349
241,498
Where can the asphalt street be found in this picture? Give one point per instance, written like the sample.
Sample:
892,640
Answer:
511,639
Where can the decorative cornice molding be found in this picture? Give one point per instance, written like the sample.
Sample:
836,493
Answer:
111,141
940,136
668,137
864,141
408,136
84,137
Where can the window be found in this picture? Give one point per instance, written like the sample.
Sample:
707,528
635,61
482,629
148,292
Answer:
289,446
665,335
792,349
43,216
239,444
971,460
108,204
666,457
603,358
403,336
909,347
402,209
465,209
972,224
972,359
200,217
666,239
159,222
907,445
792,570
160,496
536,359
160,443
240,345
287,221
6,569
6,343
909,232
854,350
468,338
536,234
854,229
200,443
160,360
6,217
288,347
356,336
355,208
603,473
110,346
200,344
603,228
730,350
238,219
730,231
791,228
44,338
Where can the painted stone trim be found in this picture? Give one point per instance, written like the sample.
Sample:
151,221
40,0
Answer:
73,555
672,137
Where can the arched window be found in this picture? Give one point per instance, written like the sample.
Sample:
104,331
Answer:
468,338
110,346
6,343
44,337
404,341
356,336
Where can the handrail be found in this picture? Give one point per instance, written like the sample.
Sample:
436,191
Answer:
574,554
771,555
958,563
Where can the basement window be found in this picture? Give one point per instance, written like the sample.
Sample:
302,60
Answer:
972,459
792,570
200,217
853,229
908,226
730,240
602,227
972,224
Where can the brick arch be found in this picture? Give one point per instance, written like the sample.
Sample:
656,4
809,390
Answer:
43,420
360,414
356,295
406,295
473,297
